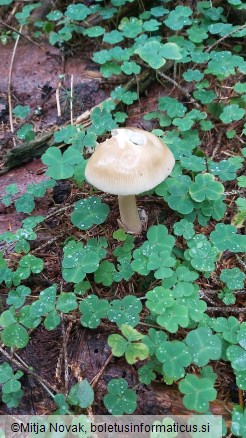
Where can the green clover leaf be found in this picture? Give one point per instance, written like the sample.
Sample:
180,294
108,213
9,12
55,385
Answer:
140,262
227,296
197,34
225,237
124,270
125,311
202,255
151,25
15,336
81,394
25,203
94,31
54,15
52,320
175,357
159,299
17,296
231,113
234,278
146,375
183,289
130,67
172,106
77,262
228,327
31,221
67,134
161,263
203,345
193,75
102,121
45,303
159,239
88,212
93,310
32,263
184,228
205,187
195,306
154,339
184,124
102,56
128,345
226,170
198,392
127,97
11,189
179,198
238,427
120,400
118,345
130,27
26,132
156,53
237,355
98,245
205,96
61,166
178,18
241,181
10,380
67,301
105,273
12,400
113,37
223,64
77,12
173,317
21,111
107,70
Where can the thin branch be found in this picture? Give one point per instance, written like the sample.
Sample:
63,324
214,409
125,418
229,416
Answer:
59,210
218,144
58,105
183,90
22,35
100,373
24,367
242,263
9,85
234,192
71,101
224,37
65,335
226,309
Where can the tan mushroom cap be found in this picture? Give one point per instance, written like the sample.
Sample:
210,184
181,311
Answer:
132,161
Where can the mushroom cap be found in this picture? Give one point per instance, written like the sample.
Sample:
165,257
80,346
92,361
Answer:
132,161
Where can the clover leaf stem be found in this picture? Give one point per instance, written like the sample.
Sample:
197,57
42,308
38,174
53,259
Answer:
129,213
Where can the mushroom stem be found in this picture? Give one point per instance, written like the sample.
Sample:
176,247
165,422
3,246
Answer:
129,213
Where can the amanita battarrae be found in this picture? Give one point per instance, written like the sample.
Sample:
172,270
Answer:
132,161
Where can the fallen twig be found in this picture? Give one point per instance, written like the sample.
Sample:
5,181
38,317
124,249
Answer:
24,367
224,37
100,373
71,101
184,91
9,85
22,35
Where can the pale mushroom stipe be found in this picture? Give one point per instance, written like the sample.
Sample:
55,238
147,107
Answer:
132,161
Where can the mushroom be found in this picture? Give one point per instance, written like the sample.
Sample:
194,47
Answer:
132,161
